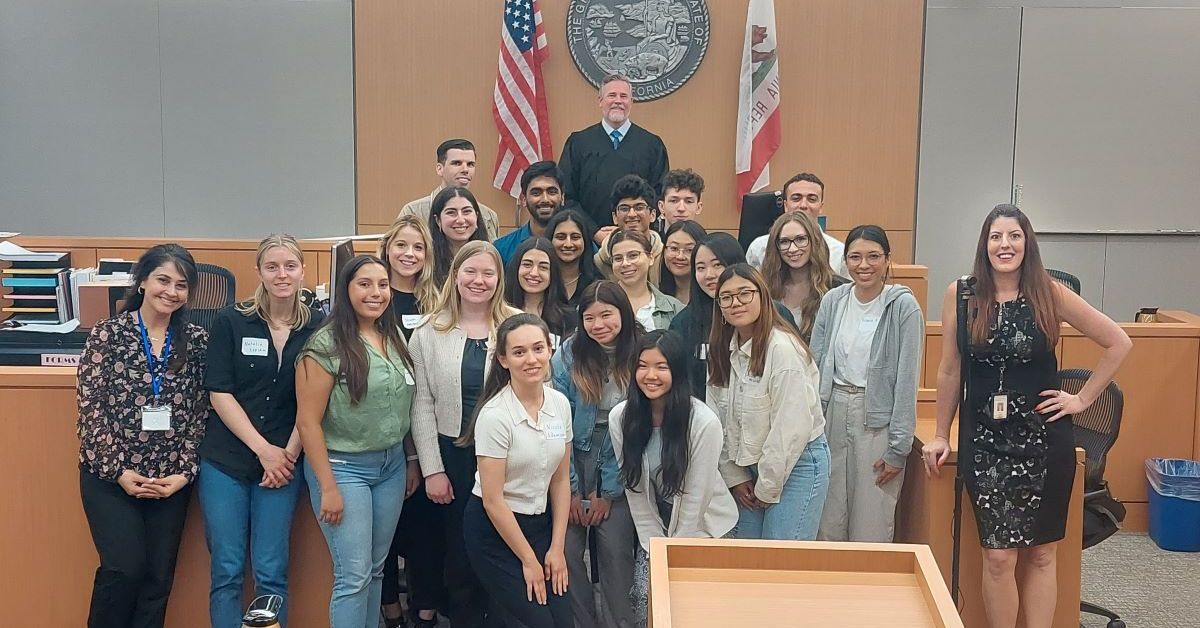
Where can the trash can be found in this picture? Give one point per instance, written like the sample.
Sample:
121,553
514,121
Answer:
1174,503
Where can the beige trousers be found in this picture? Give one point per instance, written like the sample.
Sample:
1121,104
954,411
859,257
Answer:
856,509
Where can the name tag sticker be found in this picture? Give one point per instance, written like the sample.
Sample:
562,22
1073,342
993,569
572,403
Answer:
702,350
156,418
554,430
254,346
408,378
410,320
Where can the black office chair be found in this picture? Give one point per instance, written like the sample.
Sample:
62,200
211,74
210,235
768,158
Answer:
1066,279
759,211
215,289
1096,431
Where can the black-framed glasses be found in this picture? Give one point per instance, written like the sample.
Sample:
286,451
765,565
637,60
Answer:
640,208
745,296
800,242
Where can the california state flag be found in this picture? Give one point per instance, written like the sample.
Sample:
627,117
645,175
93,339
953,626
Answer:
758,131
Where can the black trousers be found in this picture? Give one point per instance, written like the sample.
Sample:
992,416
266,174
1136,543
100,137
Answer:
138,541
422,542
466,597
500,569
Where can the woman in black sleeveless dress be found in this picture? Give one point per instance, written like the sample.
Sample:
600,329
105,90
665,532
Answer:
1018,470
1016,439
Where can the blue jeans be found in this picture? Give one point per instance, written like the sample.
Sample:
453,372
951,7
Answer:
238,514
372,488
798,514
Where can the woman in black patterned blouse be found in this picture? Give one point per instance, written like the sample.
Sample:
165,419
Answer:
142,409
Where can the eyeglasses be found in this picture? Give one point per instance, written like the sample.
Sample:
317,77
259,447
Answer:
872,258
725,299
631,257
800,242
680,250
640,208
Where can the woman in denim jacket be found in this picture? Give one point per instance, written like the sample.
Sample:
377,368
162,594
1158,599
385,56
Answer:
593,370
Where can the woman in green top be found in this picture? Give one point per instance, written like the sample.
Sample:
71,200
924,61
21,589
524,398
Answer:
354,390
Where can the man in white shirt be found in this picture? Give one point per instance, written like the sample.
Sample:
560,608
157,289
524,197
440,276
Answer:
803,193
455,166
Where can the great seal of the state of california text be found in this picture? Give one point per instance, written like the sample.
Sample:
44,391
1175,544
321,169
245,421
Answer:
656,44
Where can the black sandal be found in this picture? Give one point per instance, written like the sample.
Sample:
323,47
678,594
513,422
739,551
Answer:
415,619
394,622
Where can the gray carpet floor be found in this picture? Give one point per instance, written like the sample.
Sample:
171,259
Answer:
1146,586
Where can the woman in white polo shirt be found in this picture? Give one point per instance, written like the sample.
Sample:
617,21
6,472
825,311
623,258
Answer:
515,525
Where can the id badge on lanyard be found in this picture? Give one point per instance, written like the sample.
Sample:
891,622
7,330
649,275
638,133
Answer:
155,416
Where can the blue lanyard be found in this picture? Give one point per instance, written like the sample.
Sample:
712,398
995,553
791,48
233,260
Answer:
158,366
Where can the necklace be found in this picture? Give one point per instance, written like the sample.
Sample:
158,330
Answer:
572,282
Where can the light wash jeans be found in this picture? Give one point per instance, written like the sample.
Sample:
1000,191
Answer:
240,515
798,514
372,488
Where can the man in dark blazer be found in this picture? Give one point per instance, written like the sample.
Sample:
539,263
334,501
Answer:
594,158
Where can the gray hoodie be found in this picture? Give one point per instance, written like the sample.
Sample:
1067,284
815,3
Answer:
894,369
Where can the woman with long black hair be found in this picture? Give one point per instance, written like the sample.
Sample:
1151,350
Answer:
354,391
694,322
668,446
675,274
593,370
137,459
571,234
764,385
532,284
1017,441
515,524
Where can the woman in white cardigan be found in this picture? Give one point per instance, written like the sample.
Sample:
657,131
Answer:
450,351
668,446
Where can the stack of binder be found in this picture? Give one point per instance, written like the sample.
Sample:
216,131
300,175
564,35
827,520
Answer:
37,287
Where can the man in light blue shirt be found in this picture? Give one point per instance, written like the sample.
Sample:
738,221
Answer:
542,197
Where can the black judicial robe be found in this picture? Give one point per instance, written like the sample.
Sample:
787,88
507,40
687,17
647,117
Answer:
590,167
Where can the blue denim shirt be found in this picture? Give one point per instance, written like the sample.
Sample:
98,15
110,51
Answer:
583,422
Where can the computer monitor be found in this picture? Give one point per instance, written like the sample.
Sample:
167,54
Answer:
759,211
343,252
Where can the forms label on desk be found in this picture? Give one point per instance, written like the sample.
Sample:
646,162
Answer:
60,359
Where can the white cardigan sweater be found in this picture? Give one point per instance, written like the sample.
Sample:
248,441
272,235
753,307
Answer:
705,508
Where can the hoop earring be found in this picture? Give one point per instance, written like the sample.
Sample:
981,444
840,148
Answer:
141,290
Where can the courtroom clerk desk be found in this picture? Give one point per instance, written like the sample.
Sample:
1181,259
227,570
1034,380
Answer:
49,559
926,514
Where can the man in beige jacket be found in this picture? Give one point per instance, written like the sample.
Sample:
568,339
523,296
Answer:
455,166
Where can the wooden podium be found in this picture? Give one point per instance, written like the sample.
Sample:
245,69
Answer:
696,583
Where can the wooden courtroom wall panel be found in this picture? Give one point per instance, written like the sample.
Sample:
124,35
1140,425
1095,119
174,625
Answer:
851,72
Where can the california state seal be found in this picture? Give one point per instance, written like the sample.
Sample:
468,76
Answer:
656,44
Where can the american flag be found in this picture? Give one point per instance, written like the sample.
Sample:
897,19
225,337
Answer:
519,99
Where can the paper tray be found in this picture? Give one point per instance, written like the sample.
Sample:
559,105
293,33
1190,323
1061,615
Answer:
695,583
